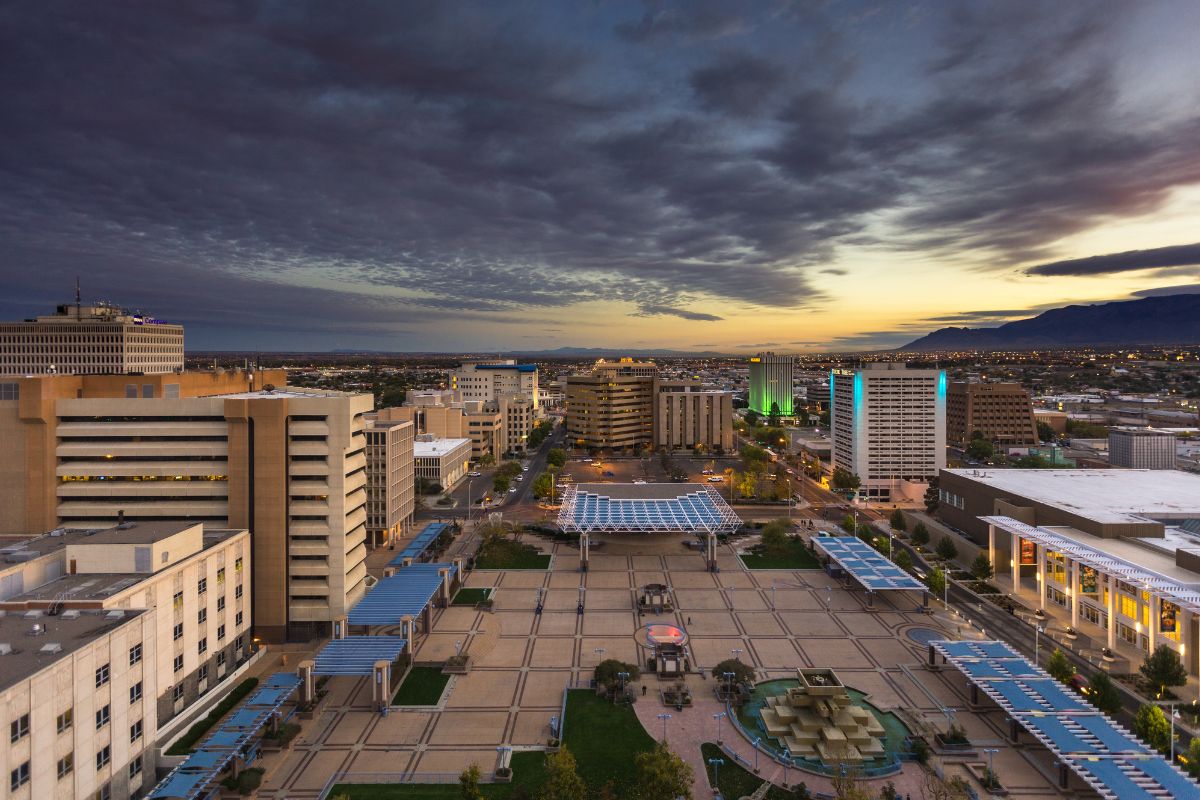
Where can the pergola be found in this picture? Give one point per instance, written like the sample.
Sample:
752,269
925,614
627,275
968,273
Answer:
646,508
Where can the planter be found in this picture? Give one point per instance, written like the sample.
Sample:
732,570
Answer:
460,665
979,773
954,748
502,776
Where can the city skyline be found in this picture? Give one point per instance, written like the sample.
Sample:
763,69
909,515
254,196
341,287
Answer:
416,177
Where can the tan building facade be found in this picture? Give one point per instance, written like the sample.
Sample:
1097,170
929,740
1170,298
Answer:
689,416
441,461
1002,412
227,449
90,340
390,480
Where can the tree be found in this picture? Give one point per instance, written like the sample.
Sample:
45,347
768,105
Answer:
1104,693
946,548
468,783
1193,757
848,524
897,521
845,479
1152,726
773,417
608,672
980,450
1163,668
775,538
932,497
556,457
981,568
662,774
903,560
752,418
1060,667
500,483
543,485
753,455
562,778
742,673
936,581
1031,462
920,535
1045,432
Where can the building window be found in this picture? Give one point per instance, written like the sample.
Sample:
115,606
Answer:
102,675
220,633
237,619
135,654
135,731
177,601
220,659
202,645
105,792
66,765
135,766
65,720
103,757
19,728
202,586
103,716
221,576
237,565
178,663
177,692
135,692
202,616
237,593
19,777
221,603
177,632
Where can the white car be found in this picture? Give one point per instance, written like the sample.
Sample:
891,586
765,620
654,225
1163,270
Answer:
638,480
512,490
474,474
716,479
706,472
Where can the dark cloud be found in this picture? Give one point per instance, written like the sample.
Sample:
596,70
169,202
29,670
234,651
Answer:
1184,255
682,313
274,171
1163,291
835,271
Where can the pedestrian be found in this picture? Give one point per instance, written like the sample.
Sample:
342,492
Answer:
643,690
689,620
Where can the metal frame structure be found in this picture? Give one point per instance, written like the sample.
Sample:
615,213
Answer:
697,509
419,544
1106,756
1142,578
406,593
356,655
873,570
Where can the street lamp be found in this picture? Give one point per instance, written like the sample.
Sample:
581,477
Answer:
1037,640
991,775
755,746
622,677
772,595
737,653
599,651
787,759
718,717
664,718
716,765
729,683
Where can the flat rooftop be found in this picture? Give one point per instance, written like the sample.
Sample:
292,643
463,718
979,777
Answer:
70,633
282,393
1102,495
95,587
438,447
136,533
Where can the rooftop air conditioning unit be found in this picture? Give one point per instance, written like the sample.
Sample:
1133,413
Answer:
33,614
70,613
5,649
37,630
116,613
50,648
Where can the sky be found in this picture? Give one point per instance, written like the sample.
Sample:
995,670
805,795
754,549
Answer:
464,177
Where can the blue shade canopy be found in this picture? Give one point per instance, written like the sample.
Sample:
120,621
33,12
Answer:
1103,754
872,570
356,655
420,543
646,508
405,594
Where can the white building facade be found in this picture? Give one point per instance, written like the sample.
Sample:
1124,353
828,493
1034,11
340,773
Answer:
441,461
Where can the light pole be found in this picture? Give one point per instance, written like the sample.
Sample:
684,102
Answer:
728,683
787,759
949,712
664,718
789,498
622,677
718,717
755,745
991,775
716,765
772,595
1037,641
737,653
599,651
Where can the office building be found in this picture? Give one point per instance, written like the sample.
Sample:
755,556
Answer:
196,579
440,415
689,416
1001,413
1114,554
613,406
441,461
771,384
227,449
490,380
889,427
390,480
97,339
1141,448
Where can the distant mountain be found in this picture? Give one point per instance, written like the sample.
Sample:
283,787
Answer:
1174,319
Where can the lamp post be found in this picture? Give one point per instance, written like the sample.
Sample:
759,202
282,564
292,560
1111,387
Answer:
664,717
729,683
718,717
737,653
755,746
949,712
599,651
1037,640
716,765
991,775
772,595
789,498
622,677
787,759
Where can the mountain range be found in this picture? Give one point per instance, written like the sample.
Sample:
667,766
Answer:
1173,319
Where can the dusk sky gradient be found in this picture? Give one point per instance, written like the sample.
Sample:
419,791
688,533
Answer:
447,176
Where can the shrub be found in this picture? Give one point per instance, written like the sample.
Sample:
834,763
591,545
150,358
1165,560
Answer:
1060,667
1163,668
742,672
947,549
897,521
920,535
981,568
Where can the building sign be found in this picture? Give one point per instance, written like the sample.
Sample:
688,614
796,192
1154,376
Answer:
1028,553
1088,580
1168,616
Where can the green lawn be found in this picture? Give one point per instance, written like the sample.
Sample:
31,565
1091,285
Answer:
422,686
603,737
469,597
797,556
507,554
734,781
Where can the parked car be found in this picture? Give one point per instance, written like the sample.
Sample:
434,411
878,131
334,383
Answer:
474,474
715,479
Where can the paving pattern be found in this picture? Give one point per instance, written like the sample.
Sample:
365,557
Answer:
522,661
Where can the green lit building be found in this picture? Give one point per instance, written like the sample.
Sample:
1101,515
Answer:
771,384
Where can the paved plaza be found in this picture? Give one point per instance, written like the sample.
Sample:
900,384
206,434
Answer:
521,662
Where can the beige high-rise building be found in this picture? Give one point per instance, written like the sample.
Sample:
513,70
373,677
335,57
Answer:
228,449
1002,412
94,339
390,479
490,380
688,416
